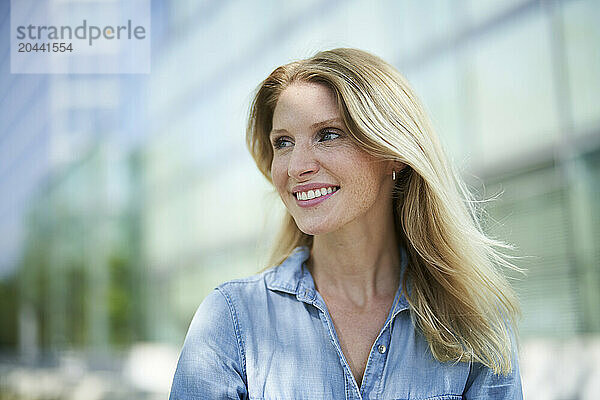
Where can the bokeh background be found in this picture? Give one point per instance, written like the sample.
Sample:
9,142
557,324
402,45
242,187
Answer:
124,199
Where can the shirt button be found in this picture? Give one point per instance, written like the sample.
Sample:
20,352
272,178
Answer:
381,349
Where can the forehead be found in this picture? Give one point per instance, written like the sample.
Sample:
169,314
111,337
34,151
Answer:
304,104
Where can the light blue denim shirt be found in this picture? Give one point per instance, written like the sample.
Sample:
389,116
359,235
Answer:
270,336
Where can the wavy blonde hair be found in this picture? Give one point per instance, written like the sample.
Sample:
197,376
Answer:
458,296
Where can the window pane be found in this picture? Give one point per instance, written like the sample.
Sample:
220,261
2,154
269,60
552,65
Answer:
582,40
514,90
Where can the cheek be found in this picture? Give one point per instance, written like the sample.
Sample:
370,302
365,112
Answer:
367,179
279,174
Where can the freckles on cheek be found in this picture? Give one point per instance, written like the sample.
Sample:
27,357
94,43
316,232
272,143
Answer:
278,176
365,185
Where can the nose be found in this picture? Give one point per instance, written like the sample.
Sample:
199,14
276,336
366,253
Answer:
303,163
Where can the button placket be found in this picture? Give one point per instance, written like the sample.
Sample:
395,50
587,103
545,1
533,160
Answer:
372,380
352,389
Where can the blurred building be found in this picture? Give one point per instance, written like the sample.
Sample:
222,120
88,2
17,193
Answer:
69,223
128,198
80,281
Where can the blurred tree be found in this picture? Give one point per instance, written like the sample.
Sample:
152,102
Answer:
8,313
119,300
74,228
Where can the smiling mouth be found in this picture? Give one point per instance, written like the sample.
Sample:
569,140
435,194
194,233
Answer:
315,193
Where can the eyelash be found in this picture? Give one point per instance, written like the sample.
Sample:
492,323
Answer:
278,143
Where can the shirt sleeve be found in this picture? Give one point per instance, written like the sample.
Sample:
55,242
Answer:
211,364
483,383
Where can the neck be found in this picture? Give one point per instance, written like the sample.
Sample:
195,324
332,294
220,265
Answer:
358,264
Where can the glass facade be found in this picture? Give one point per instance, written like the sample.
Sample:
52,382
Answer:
127,198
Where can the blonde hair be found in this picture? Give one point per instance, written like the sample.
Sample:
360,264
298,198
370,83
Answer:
458,297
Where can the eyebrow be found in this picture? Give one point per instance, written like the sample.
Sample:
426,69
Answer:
313,126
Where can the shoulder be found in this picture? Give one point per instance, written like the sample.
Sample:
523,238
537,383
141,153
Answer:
247,288
212,361
227,328
239,306
283,278
218,311
485,383
251,280
214,317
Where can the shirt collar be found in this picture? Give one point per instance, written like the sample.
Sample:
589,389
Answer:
287,276
292,277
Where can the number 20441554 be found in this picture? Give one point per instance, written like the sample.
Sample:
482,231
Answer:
24,47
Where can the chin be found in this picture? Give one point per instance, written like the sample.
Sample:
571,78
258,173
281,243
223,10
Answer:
314,228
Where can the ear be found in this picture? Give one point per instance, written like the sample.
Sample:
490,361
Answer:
396,166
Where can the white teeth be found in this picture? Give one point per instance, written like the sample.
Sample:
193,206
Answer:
312,194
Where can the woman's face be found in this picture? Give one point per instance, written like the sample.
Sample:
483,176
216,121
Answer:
324,179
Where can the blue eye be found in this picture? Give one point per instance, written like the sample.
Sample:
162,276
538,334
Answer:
281,142
327,135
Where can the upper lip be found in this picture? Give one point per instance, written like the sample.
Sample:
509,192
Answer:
311,186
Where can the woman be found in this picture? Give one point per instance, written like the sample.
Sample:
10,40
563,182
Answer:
386,287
